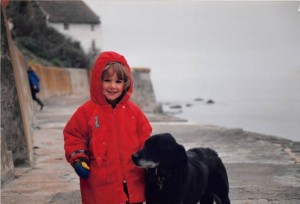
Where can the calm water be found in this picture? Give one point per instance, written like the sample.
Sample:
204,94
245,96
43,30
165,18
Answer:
267,104
244,55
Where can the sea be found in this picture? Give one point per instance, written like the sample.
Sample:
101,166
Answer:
233,64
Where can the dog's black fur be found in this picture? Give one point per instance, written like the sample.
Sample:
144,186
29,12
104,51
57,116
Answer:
176,176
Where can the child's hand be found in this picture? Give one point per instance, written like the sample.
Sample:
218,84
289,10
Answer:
81,168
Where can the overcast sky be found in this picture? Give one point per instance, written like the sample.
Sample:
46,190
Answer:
213,40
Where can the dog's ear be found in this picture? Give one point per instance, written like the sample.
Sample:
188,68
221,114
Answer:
181,155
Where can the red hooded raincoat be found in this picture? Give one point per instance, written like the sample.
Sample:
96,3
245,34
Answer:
108,137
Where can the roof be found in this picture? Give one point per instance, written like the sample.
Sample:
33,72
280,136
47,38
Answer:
68,11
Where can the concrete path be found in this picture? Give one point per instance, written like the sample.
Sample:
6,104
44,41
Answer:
262,169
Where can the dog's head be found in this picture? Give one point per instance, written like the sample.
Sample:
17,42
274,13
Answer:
160,150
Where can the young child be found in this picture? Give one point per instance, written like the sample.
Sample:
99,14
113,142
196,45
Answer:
104,132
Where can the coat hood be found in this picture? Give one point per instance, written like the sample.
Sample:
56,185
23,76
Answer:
96,81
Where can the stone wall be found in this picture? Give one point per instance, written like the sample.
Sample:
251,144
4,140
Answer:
7,165
14,143
57,81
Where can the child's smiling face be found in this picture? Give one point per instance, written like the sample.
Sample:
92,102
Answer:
112,87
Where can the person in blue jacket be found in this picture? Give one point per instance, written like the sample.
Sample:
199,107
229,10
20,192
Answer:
34,81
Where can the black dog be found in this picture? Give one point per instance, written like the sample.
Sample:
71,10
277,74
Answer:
176,176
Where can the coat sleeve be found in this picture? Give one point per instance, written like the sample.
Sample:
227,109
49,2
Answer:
76,137
144,129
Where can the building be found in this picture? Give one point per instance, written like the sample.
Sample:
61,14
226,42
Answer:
74,19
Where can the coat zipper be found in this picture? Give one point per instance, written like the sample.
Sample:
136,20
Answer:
120,156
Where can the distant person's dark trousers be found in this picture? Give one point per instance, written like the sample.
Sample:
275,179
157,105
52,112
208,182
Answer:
33,94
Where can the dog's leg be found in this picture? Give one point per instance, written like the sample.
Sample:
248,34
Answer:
219,177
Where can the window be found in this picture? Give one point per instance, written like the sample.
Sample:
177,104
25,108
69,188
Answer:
92,27
66,26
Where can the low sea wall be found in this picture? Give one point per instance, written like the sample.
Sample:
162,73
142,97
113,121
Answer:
57,81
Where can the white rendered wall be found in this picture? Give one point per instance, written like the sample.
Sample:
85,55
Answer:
82,33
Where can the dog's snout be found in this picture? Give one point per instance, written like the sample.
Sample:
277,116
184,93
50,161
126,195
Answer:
135,157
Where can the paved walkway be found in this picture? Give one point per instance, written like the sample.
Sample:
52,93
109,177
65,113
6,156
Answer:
261,169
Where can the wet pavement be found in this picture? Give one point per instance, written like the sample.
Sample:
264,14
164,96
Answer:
261,169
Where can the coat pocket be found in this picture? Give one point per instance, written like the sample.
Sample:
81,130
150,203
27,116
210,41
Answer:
99,174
